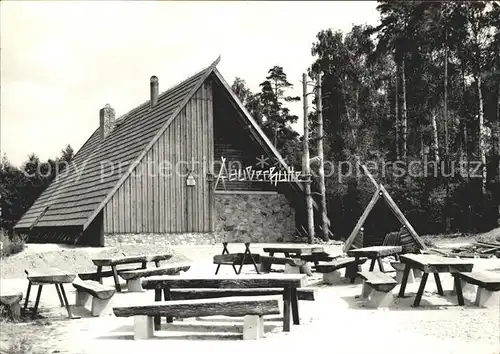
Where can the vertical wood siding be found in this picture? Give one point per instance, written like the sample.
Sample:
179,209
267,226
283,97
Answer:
155,198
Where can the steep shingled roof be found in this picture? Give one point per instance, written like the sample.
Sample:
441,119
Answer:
72,197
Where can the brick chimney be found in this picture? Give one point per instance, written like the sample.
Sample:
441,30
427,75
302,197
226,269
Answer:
154,90
106,121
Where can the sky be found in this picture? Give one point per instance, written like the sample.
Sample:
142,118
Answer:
63,61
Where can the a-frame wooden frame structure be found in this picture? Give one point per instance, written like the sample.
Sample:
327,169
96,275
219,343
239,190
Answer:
381,192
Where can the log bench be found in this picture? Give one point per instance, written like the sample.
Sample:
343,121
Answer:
330,270
377,287
104,274
488,287
236,259
292,265
251,308
100,294
12,301
134,277
306,294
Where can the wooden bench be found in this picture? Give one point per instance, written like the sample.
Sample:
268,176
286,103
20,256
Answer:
103,274
236,259
251,308
12,301
306,294
134,277
101,296
488,286
377,287
330,270
292,265
317,257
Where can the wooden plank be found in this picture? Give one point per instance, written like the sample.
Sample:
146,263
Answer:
104,274
236,306
161,182
188,157
178,212
154,200
237,281
171,269
337,264
305,294
295,262
235,258
430,263
299,250
106,262
375,251
49,276
484,279
362,220
96,289
209,162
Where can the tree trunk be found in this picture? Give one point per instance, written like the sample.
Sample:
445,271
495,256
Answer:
306,167
435,139
396,110
445,105
324,211
446,137
482,147
404,120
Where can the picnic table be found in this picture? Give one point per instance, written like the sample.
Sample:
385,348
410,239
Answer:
49,276
114,262
375,253
294,251
288,282
429,263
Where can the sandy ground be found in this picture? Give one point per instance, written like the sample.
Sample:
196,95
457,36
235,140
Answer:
336,322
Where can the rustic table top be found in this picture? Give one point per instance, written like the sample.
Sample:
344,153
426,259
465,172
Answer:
431,263
296,249
49,276
375,251
230,281
130,259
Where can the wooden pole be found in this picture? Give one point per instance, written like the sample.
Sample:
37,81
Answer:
305,165
324,215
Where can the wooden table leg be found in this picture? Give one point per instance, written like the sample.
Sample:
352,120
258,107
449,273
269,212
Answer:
438,284
115,277
37,301
99,274
66,302
286,309
458,289
406,273
157,319
352,270
372,264
167,297
157,264
421,288
295,306
380,265
59,295
27,296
